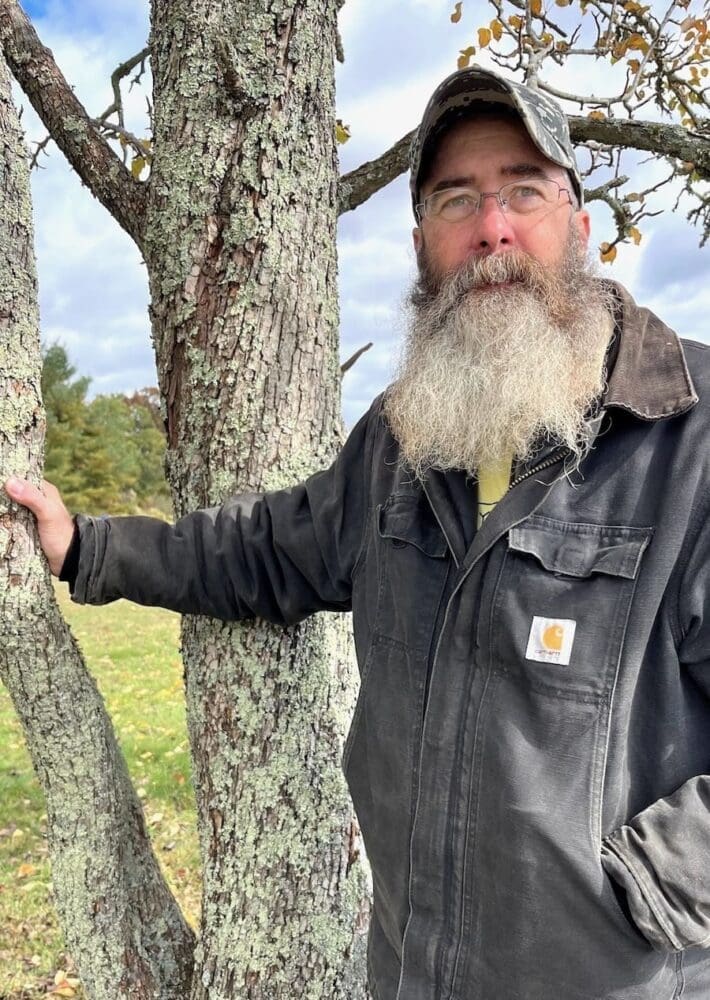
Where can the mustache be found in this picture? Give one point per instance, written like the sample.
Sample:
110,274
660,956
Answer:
478,273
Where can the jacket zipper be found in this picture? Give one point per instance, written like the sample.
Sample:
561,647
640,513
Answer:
549,461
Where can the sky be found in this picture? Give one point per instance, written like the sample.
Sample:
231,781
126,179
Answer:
93,288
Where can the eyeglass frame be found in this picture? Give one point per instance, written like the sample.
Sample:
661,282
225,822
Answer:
486,194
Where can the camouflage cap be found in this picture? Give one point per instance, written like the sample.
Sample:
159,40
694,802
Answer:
544,119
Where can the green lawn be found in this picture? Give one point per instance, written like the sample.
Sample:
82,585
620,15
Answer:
133,653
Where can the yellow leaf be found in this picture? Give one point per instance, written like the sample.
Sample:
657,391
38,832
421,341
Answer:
465,58
634,234
515,21
484,37
637,42
563,3
597,116
536,7
496,27
456,16
342,132
634,65
607,253
63,990
137,166
24,870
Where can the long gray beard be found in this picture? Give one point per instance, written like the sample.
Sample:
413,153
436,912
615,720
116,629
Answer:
492,372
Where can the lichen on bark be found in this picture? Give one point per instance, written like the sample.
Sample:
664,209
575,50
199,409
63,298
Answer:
240,249
121,923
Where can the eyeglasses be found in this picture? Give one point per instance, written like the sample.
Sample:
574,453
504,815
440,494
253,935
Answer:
520,198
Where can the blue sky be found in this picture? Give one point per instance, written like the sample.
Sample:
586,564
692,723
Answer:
93,293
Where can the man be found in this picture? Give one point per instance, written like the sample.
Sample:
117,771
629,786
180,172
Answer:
519,527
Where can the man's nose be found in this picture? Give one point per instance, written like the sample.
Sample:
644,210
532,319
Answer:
491,227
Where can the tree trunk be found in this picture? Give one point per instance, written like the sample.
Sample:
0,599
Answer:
122,925
240,250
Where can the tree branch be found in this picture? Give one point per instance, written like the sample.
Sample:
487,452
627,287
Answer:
655,137
360,184
66,120
347,365
664,140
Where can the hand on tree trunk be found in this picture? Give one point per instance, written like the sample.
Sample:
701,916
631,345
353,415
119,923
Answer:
54,522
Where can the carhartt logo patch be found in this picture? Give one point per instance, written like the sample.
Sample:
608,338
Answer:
551,640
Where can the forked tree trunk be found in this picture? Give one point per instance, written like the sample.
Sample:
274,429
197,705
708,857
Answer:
240,249
122,925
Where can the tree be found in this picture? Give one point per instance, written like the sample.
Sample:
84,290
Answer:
106,454
236,224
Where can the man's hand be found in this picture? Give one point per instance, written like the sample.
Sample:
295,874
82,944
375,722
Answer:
54,522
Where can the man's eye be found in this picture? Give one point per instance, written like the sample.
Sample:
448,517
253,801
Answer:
526,191
457,200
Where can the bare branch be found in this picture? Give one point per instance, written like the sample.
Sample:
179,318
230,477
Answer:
118,74
663,140
40,148
67,122
347,365
360,184
122,134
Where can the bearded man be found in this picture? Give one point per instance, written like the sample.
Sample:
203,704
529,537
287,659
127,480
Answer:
520,529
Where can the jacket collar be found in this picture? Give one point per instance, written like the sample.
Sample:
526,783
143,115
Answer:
650,377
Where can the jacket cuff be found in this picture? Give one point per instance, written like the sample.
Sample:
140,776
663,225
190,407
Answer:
93,535
623,868
70,566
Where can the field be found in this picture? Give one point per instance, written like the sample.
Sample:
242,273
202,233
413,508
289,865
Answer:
133,653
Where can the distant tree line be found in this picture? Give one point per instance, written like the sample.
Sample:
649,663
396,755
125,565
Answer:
105,454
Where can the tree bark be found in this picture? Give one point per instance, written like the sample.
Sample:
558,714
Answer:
122,925
240,250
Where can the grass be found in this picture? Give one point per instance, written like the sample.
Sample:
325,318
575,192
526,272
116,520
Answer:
133,653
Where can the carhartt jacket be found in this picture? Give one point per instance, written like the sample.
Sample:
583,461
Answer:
530,751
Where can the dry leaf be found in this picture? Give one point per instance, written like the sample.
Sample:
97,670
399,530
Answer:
634,234
456,16
637,42
515,21
496,29
607,253
597,116
137,166
465,58
536,7
24,870
484,37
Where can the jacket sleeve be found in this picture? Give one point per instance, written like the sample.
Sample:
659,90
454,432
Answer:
279,556
661,857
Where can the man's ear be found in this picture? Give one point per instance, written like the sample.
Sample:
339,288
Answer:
584,226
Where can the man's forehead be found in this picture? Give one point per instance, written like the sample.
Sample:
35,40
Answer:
473,147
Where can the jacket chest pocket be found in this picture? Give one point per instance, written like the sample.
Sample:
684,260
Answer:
562,601
413,566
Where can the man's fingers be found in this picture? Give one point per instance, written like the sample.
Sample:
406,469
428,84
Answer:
26,493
